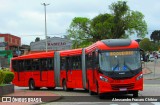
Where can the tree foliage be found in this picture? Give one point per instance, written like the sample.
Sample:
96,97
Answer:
145,44
37,39
79,31
120,23
148,45
155,36
126,21
101,26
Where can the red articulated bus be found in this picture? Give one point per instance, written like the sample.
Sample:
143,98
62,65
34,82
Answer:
107,66
34,70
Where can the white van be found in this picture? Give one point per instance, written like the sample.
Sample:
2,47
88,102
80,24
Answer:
151,58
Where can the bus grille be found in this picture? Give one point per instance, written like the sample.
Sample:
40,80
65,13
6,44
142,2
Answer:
118,86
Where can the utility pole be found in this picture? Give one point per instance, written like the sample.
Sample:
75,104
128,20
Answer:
45,25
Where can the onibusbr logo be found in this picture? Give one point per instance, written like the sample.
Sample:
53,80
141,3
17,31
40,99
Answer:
22,99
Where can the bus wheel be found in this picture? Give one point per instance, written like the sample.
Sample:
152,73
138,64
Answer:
65,86
135,94
32,85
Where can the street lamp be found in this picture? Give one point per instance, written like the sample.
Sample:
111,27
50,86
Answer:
45,24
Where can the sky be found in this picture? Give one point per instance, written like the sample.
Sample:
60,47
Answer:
25,18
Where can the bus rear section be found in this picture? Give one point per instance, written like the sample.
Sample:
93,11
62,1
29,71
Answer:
117,69
34,70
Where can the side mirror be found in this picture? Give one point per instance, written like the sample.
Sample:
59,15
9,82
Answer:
142,55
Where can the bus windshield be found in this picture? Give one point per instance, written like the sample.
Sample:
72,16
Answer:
119,61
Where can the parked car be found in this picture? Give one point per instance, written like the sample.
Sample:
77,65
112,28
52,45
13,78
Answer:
151,58
158,55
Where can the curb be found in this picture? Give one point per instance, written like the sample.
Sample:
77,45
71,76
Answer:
152,78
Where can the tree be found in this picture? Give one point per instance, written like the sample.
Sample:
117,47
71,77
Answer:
145,44
121,23
155,36
101,26
126,21
79,31
37,39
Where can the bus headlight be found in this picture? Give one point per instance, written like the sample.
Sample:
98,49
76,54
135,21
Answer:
139,77
103,78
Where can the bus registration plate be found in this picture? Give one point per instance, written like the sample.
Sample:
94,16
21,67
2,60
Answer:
122,89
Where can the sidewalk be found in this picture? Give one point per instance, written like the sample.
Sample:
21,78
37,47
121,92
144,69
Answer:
27,97
151,70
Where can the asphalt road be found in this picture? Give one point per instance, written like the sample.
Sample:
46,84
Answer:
157,81
79,96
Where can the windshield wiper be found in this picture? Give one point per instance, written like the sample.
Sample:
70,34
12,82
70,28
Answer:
117,65
128,67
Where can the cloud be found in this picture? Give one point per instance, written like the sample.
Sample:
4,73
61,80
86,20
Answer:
25,18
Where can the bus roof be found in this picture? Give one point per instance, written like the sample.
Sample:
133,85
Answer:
113,44
71,52
36,55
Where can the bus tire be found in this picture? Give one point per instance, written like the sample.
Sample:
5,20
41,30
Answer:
32,85
65,85
135,94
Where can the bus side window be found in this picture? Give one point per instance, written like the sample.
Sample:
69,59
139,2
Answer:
35,64
76,62
69,63
94,60
89,61
27,64
21,65
43,64
63,63
50,63
15,65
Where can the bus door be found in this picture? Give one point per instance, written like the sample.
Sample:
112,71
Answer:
50,73
76,72
43,70
94,67
21,73
69,70
91,61
95,60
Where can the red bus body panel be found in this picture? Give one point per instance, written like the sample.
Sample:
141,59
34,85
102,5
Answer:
73,77
25,76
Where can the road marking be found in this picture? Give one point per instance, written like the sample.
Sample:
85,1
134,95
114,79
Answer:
113,104
134,104
156,103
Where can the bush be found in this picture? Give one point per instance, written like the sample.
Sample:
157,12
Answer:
2,76
6,69
8,77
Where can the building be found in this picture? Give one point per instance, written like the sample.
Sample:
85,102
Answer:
9,47
54,43
10,42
